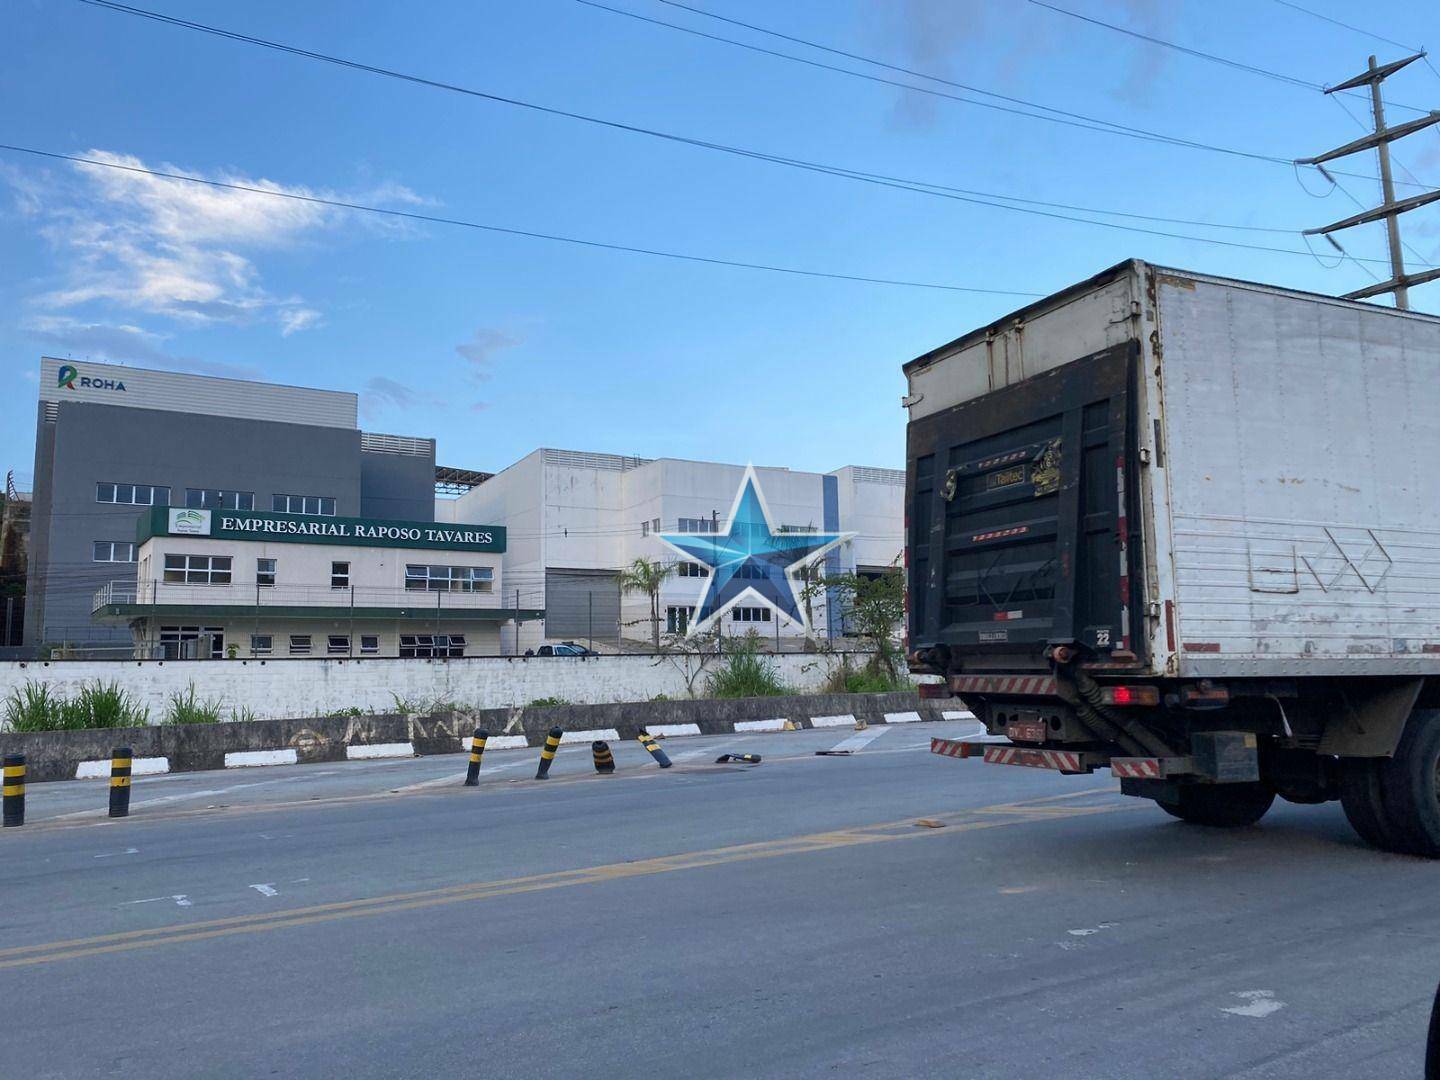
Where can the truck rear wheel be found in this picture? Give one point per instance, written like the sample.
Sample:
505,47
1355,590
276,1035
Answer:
1360,796
1224,806
1410,782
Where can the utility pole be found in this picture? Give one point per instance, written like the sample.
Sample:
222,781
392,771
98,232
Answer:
1390,209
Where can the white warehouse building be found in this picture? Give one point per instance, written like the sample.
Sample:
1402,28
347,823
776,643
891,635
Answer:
574,520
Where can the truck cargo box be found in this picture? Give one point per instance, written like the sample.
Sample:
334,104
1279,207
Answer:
1183,476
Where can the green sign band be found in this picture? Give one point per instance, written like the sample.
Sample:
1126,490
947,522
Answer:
255,525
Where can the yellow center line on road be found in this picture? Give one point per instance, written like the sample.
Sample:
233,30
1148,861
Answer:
959,821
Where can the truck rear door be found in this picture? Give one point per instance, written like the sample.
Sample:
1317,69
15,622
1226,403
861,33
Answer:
1019,524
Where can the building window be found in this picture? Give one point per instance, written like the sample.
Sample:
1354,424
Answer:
750,572
132,494
419,646
697,525
644,528
265,573
112,551
677,619
449,578
186,642
750,614
369,644
262,644
299,644
340,575
197,569
303,504
215,499
692,569
338,645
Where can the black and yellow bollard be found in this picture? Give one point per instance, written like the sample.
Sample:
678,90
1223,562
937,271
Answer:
14,790
547,755
744,759
477,753
661,758
604,759
120,782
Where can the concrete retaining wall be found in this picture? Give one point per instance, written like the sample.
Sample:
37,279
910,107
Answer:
268,689
60,755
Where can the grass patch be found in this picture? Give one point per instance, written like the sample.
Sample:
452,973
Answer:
35,707
546,703
870,678
745,673
189,708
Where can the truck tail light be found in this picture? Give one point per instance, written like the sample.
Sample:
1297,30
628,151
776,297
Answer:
1130,695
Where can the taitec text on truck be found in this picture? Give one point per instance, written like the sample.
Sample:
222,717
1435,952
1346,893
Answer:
1188,529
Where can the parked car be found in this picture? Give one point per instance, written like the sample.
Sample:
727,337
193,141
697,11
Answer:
564,648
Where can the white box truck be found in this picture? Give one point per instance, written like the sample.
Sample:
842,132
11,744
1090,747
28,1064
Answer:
1188,529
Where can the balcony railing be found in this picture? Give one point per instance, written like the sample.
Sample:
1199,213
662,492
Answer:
249,596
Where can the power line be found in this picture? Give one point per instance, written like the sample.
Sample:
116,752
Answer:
607,246
1072,119
1198,54
1347,26
531,234
582,117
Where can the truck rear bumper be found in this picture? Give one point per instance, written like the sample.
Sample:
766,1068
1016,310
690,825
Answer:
1065,761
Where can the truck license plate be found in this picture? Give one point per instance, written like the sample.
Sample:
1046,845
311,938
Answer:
1025,730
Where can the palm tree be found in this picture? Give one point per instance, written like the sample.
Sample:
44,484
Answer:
645,576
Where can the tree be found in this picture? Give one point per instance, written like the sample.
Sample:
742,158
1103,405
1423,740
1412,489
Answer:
874,607
646,576
690,655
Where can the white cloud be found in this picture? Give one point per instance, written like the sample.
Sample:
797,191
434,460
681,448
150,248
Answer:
122,343
177,250
480,350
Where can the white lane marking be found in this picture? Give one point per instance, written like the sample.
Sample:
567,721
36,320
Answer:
112,854
1261,1003
902,718
140,766
843,720
486,768
589,735
266,889
690,755
380,750
205,793
181,900
958,714
298,880
239,759
672,730
760,725
860,739
1090,930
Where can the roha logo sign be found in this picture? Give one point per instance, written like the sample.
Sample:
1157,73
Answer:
70,376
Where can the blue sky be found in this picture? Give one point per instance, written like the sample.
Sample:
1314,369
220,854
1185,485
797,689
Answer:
497,344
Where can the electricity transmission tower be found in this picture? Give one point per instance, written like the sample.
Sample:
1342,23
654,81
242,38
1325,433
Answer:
1391,208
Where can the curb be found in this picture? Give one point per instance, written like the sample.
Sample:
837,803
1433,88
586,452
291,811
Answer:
79,755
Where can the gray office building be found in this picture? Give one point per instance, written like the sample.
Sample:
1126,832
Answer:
112,441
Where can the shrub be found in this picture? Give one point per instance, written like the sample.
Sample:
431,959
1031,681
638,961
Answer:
106,706
32,708
872,678
745,673
546,702
188,708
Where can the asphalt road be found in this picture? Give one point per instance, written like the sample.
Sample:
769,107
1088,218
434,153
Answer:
785,920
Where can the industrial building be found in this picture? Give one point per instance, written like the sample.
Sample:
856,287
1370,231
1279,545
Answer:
575,520
112,442
213,584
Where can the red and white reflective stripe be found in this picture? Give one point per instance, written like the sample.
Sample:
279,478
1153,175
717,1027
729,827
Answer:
948,748
1003,684
1122,533
1137,768
1063,760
